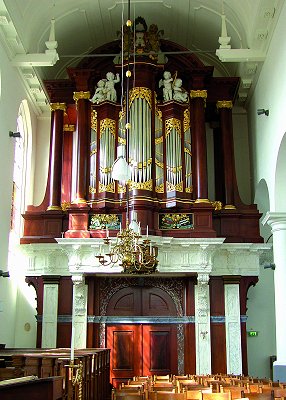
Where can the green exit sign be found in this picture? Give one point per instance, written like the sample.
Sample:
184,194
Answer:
252,333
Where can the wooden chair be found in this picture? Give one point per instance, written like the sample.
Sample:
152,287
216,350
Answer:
120,394
164,388
161,395
276,392
162,378
259,396
132,388
216,396
194,394
237,392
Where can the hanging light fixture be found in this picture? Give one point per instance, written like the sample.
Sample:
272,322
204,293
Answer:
131,251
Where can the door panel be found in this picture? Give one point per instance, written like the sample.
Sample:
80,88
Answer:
160,349
156,301
141,350
125,342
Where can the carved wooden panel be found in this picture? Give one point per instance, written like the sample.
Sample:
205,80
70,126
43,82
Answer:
141,350
160,349
125,342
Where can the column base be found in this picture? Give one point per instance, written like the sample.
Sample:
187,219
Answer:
279,371
229,207
76,233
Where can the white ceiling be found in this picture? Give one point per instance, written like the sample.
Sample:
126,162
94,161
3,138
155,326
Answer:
83,25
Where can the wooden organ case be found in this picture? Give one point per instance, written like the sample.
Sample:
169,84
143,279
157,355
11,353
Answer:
167,151
169,190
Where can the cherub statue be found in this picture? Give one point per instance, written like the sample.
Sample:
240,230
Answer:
109,86
99,94
167,86
179,93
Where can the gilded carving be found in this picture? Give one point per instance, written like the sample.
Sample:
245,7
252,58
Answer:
69,128
158,114
188,151
175,170
58,106
171,187
121,140
159,163
159,140
81,95
105,170
187,120
224,104
121,188
159,188
110,188
94,120
189,189
148,185
172,123
199,93
145,164
217,205
92,190
142,93
107,123
65,205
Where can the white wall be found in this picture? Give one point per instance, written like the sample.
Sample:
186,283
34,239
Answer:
12,95
266,134
270,93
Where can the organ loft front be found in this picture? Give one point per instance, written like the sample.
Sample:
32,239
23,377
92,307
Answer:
159,108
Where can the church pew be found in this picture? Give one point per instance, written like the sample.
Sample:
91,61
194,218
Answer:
32,388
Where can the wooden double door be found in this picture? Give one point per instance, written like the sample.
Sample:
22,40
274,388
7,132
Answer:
146,347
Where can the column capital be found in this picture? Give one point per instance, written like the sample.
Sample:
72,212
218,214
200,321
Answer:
81,95
78,279
203,279
277,220
224,104
58,106
69,128
199,93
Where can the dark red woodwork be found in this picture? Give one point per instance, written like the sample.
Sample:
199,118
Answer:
56,159
228,154
218,337
241,226
64,312
245,283
67,167
141,350
189,329
199,144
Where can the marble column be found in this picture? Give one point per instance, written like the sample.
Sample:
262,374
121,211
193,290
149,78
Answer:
277,221
202,325
56,152
198,98
225,111
232,329
50,312
79,311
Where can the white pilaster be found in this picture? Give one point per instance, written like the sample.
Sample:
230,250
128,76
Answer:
79,313
232,329
202,324
50,315
277,221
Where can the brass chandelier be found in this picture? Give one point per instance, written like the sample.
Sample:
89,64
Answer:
130,250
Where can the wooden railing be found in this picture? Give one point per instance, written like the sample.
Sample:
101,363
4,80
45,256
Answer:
87,378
